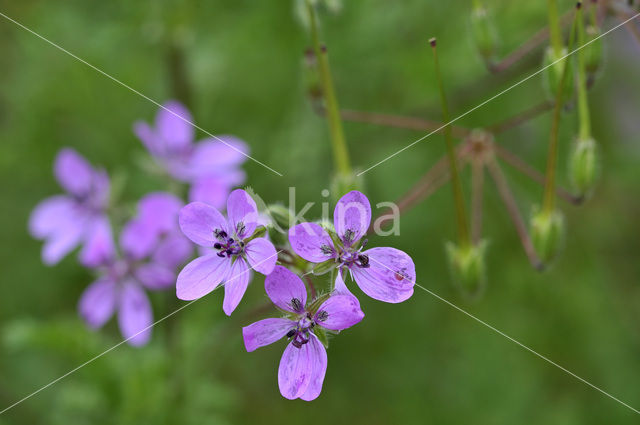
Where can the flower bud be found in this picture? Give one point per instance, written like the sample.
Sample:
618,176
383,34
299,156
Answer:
583,166
593,52
281,216
484,33
467,267
547,234
553,69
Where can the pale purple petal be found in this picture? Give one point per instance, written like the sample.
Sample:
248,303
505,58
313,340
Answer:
148,137
265,332
64,239
199,222
339,312
173,250
235,285
352,216
155,276
340,288
311,242
210,156
98,302
283,286
173,124
100,190
99,248
262,255
73,172
318,355
201,276
210,190
242,212
137,239
50,215
296,370
134,314
390,276
160,211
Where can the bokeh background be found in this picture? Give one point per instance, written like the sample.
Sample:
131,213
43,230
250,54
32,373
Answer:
414,363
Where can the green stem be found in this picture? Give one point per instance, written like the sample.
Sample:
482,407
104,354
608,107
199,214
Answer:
338,142
554,28
461,216
552,158
583,104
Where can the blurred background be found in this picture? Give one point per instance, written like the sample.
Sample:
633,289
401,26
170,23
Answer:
239,66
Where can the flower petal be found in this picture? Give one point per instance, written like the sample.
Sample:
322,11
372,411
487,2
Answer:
352,216
73,172
201,276
148,137
173,123
98,302
318,355
265,332
390,276
283,286
295,370
51,214
99,248
235,285
339,312
210,190
173,250
199,222
311,242
155,276
65,239
135,316
340,288
262,255
210,156
137,239
242,212
160,211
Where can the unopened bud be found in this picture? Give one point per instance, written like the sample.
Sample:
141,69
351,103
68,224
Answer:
583,166
467,267
547,234
484,33
592,51
553,69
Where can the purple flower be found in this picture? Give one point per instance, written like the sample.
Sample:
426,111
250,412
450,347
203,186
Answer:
231,249
385,274
152,248
210,166
304,361
77,218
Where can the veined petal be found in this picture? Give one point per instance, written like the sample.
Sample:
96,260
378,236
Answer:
99,247
390,276
200,222
134,314
286,290
50,215
235,285
242,212
339,312
155,276
201,276
98,302
173,124
352,216
265,332
311,242
295,370
73,172
318,357
262,255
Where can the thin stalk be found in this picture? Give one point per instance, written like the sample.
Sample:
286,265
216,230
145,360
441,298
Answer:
583,103
554,28
552,158
477,183
520,117
514,213
461,216
338,142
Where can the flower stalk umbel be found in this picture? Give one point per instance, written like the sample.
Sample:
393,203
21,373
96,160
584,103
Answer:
466,258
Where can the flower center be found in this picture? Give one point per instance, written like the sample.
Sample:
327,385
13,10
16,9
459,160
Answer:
302,332
227,246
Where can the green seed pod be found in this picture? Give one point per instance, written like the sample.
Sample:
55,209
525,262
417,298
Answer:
547,234
484,34
583,166
553,74
593,51
324,268
467,267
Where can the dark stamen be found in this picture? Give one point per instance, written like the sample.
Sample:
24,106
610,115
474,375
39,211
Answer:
296,304
322,316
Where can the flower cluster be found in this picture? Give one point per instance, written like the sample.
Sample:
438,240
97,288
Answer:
232,248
